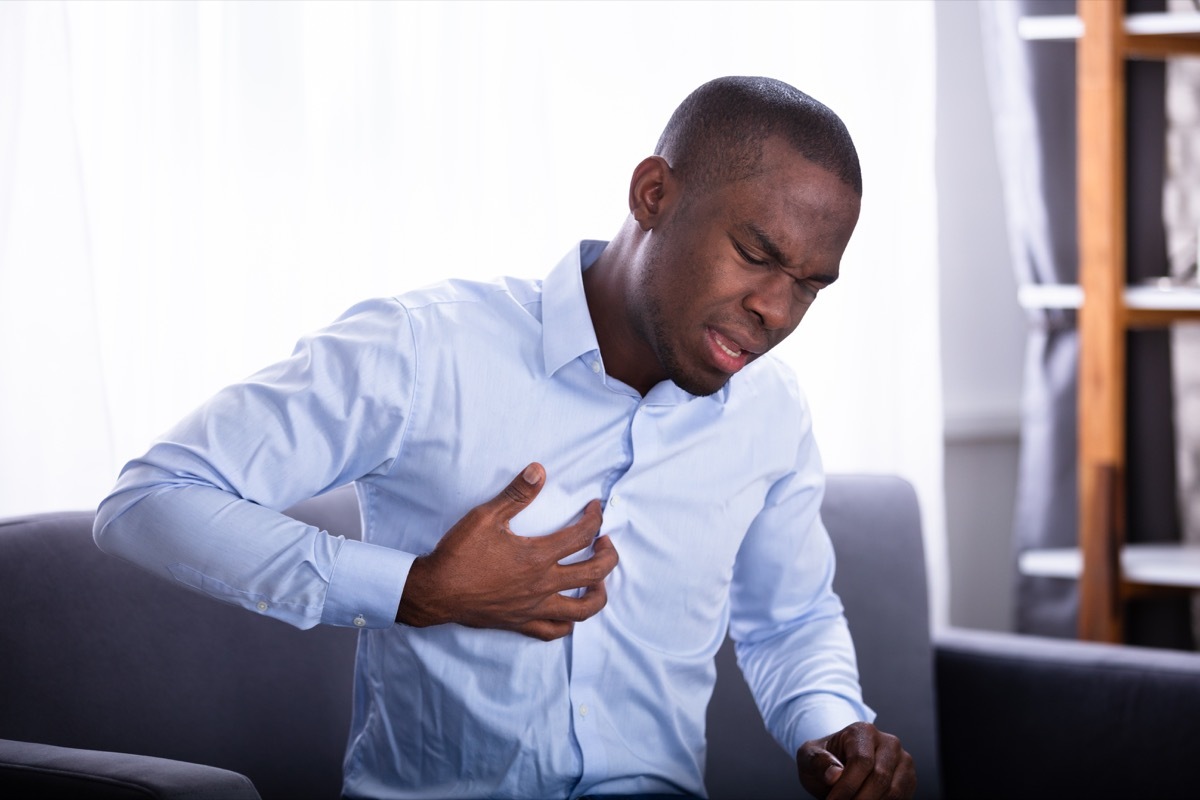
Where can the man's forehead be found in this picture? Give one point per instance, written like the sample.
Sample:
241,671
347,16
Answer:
777,152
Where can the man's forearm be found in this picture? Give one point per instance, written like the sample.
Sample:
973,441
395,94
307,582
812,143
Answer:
239,552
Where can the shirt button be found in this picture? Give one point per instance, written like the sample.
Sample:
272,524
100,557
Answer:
596,367
612,501
583,709
360,621
262,605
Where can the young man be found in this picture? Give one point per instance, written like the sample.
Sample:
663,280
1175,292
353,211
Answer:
504,650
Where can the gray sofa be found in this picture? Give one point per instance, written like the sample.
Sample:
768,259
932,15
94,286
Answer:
115,684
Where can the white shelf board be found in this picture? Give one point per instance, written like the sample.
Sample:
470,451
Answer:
1062,27
1171,23
1050,295
1175,298
1061,295
1152,564
1051,27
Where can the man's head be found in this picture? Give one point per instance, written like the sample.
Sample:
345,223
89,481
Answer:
738,220
716,134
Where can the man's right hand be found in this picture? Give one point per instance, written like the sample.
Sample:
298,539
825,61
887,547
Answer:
483,575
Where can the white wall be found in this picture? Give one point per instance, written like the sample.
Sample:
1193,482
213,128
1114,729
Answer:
982,331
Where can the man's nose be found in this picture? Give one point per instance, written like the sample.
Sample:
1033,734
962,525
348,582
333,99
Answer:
771,301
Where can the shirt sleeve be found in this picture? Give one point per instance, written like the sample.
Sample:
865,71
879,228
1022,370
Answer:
202,506
792,640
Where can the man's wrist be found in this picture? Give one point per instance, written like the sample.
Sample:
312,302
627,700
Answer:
415,609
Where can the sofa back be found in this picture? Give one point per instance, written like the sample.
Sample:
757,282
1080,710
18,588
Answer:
97,654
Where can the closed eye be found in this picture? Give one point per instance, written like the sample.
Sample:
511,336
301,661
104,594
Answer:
749,258
809,289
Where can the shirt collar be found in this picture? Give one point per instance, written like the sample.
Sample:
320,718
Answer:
567,331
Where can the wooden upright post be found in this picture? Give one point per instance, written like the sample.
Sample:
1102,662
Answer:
1101,210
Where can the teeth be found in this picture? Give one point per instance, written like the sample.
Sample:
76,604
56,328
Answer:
731,353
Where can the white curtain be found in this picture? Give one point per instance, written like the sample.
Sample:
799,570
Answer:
187,187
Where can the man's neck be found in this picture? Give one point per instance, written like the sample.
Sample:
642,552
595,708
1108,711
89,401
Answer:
607,286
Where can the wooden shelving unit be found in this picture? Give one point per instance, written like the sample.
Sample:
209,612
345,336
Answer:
1109,572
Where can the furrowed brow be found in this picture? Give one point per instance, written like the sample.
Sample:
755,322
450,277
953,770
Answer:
764,242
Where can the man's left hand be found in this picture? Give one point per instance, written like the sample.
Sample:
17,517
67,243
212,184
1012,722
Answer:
859,762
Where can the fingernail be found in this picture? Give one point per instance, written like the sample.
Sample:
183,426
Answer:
530,474
834,770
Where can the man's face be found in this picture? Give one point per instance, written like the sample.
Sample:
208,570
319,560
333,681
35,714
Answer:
729,273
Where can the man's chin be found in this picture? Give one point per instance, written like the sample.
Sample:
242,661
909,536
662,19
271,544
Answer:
701,386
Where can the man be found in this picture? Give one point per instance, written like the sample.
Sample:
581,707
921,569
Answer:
504,651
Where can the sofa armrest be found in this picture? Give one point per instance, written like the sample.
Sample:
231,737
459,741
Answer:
1024,716
41,770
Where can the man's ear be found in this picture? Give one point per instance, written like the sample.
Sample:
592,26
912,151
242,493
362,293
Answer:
651,189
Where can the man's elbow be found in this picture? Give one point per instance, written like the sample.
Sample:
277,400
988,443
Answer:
114,527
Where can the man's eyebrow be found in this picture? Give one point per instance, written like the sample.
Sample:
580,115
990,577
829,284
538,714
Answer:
769,247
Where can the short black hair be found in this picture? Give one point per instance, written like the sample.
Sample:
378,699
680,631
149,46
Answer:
716,135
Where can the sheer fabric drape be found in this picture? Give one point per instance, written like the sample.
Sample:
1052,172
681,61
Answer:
1032,89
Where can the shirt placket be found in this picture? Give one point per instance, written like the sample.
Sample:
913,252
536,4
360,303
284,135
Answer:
591,716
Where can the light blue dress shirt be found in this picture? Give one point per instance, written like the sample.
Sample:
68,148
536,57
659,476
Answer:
431,403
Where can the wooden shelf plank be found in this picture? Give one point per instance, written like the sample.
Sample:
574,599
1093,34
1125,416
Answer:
1161,47
1174,565
1159,318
